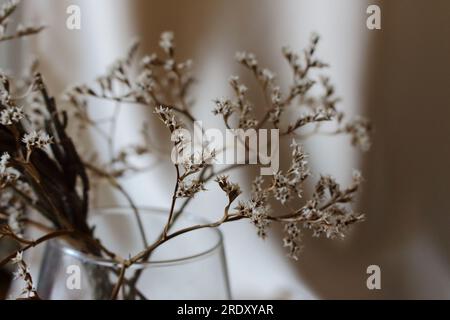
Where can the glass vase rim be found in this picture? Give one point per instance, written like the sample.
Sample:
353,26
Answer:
156,211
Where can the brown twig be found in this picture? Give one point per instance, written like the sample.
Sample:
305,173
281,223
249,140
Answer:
32,244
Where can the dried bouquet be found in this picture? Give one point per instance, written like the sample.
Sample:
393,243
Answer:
42,171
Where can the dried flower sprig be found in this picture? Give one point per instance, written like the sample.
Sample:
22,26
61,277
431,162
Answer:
21,31
7,174
284,187
232,190
23,272
40,167
292,239
11,115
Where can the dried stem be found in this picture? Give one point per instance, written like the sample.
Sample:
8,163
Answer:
113,181
172,207
119,283
32,244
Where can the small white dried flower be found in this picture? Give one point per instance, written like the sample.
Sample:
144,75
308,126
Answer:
257,211
275,115
5,98
240,56
357,177
11,115
166,42
7,8
145,82
148,60
37,139
223,107
247,123
247,59
14,221
231,189
287,51
167,116
169,65
197,160
185,65
284,186
257,185
239,88
292,239
282,189
276,95
23,272
359,131
242,89
18,258
188,190
298,172
7,175
302,86
234,81
4,161
267,75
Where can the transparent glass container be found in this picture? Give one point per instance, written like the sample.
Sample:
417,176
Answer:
190,266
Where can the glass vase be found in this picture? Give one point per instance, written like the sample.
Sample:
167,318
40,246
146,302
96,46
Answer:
190,266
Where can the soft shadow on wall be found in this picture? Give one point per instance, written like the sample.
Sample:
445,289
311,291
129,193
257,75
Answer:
405,195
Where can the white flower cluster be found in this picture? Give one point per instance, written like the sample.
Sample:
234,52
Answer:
246,58
198,160
148,60
257,211
285,185
264,75
298,170
282,190
242,105
166,42
14,221
240,88
145,83
328,215
188,190
4,161
223,107
315,116
11,115
5,97
7,8
359,131
5,12
37,139
7,174
23,272
292,239
13,206
231,189
167,116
